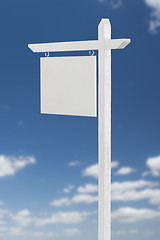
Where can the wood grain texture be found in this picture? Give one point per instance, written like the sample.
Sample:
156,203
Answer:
104,132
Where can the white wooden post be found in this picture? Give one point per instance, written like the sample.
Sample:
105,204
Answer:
104,132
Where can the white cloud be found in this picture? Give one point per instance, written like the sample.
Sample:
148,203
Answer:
61,202
130,215
88,188
3,213
71,232
114,164
121,191
3,229
131,185
63,217
149,232
16,231
118,186
74,164
23,217
154,165
10,165
79,198
133,231
2,223
68,189
50,234
116,3
92,171
154,22
132,191
43,234
125,171
152,194
84,198
20,232
145,174
39,234
119,233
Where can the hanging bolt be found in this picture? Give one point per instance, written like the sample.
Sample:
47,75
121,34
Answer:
46,54
91,52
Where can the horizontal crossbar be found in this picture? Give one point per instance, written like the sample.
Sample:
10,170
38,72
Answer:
79,45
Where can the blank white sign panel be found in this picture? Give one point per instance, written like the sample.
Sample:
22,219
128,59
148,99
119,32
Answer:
68,86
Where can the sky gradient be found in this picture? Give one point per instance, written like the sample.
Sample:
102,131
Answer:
48,163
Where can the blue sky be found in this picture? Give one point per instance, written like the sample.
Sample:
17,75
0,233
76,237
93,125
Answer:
48,163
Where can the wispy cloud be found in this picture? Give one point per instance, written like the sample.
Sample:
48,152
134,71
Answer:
74,164
132,185
19,232
43,234
88,188
119,233
3,213
9,165
132,231
124,191
20,123
121,191
71,232
68,189
92,171
61,202
63,217
16,232
84,198
145,174
154,22
23,217
130,215
78,198
125,171
113,3
136,191
152,194
5,108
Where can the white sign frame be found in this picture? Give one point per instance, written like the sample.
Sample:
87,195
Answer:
69,85
104,44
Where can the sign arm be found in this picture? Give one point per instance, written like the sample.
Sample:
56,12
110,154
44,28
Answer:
79,45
